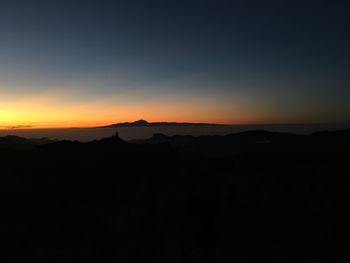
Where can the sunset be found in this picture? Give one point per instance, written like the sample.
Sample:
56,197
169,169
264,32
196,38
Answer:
171,131
72,107
78,63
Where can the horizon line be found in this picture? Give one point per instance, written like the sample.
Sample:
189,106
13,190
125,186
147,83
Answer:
34,127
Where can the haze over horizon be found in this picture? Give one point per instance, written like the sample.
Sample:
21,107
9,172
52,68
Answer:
92,63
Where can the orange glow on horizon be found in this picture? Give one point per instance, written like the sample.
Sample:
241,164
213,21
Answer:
51,112
65,108
98,123
32,119
90,124
33,116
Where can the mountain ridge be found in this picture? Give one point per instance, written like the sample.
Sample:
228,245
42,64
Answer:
144,123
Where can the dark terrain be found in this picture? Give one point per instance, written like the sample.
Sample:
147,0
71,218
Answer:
249,197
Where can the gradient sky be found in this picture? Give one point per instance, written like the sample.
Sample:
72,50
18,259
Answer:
85,63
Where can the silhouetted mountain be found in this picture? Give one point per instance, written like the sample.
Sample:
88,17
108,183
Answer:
232,144
143,123
255,196
18,143
253,142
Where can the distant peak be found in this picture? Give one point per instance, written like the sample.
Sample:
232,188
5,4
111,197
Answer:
144,123
141,121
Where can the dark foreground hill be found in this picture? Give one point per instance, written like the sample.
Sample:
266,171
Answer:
252,142
249,197
18,143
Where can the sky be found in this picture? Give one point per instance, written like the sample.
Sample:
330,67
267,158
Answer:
86,63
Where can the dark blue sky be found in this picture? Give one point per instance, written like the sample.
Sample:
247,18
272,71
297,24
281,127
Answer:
220,61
